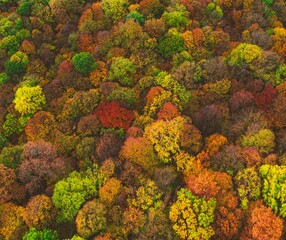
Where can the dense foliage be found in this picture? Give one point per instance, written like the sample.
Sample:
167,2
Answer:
142,119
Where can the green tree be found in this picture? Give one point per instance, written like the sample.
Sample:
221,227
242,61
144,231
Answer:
17,64
11,156
46,234
273,187
243,54
25,8
3,78
169,45
10,44
122,70
264,140
14,124
248,186
268,2
147,197
137,16
192,216
29,100
181,96
123,93
114,9
177,17
214,12
84,62
71,192
10,26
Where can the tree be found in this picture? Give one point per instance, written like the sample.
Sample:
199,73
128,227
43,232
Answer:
39,212
180,96
228,216
192,216
146,197
151,9
91,219
240,100
166,177
215,69
25,8
85,148
165,136
137,16
40,166
129,35
114,9
10,44
108,146
80,104
11,156
168,111
154,27
187,164
9,186
252,157
156,226
214,12
17,63
189,74
92,19
46,234
168,45
84,62
273,178
65,10
211,119
214,143
71,192
248,186
3,78
244,54
29,100
203,185
264,140
88,125
277,113
265,98
112,115
124,95
11,221
191,139
177,17
133,219
229,159
156,98
140,151
122,70
279,39
41,127
262,223
109,191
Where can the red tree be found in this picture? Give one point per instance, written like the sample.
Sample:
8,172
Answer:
112,115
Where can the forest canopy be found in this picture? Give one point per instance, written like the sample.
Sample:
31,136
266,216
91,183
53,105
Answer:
142,119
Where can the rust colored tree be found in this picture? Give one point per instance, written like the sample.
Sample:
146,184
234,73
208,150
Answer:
112,115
